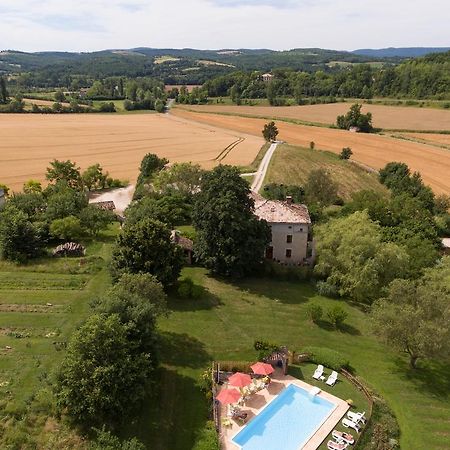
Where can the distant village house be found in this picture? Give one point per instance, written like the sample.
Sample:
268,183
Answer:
266,77
291,229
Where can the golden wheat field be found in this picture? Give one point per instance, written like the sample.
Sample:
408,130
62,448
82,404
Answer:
118,142
387,117
372,150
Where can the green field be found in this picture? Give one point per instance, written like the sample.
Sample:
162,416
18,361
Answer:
291,165
222,324
226,321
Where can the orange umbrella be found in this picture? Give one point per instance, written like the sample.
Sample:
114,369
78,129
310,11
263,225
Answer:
240,379
227,396
262,368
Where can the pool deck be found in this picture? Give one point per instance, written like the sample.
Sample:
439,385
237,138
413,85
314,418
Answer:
259,400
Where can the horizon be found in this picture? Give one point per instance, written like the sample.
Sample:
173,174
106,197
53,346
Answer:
84,26
220,49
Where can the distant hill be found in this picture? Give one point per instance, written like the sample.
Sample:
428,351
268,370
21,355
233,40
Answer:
174,66
400,52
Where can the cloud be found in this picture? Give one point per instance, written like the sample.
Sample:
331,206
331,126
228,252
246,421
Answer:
67,22
85,25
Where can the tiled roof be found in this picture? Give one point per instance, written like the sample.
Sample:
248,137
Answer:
275,211
182,241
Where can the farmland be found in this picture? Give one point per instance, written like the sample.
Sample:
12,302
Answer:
372,150
386,117
291,165
40,305
118,143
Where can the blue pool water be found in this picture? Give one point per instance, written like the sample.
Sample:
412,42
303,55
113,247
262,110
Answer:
286,423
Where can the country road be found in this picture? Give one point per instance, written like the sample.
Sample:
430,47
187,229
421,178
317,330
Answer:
262,169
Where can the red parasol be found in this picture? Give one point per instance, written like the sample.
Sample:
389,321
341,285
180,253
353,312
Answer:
240,379
227,396
262,368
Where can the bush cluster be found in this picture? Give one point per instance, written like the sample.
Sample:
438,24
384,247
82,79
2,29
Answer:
329,358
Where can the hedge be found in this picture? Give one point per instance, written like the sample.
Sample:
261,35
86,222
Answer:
207,438
329,358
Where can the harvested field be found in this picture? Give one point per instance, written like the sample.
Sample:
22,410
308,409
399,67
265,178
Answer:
118,143
439,139
388,117
370,149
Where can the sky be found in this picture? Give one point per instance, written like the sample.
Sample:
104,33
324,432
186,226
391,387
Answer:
89,25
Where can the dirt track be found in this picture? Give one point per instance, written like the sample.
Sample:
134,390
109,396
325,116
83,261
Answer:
118,143
370,149
394,117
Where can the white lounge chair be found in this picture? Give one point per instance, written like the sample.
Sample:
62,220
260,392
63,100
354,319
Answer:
350,424
318,372
332,379
342,436
356,417
331,445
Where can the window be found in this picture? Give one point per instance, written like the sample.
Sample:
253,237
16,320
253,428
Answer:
289,238
301,230
288,253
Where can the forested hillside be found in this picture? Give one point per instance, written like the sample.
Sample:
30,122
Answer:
427,77
182,66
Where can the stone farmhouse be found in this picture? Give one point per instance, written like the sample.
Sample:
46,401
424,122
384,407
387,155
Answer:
291,230
2,197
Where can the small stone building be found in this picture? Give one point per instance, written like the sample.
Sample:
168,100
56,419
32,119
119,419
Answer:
186,244
291,229
2,197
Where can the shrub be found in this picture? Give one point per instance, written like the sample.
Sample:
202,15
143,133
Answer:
107,441
235,366
68,228
187,289
314,312
289,273
383,431
327,289
337,316
346,153
329,358
207,438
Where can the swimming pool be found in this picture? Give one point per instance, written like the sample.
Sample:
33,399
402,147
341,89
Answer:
287,422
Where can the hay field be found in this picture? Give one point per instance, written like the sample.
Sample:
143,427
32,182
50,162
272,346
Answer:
439,139
388,117
292,165
372,150
118,143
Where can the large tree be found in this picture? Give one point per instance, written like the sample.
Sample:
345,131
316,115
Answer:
66,171
103,377
173,210
354,261
182,178
414,317
270,131
230,239
146,247
355,118
19,238
138,299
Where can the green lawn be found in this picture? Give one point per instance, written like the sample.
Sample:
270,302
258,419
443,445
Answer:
227,320
292,165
